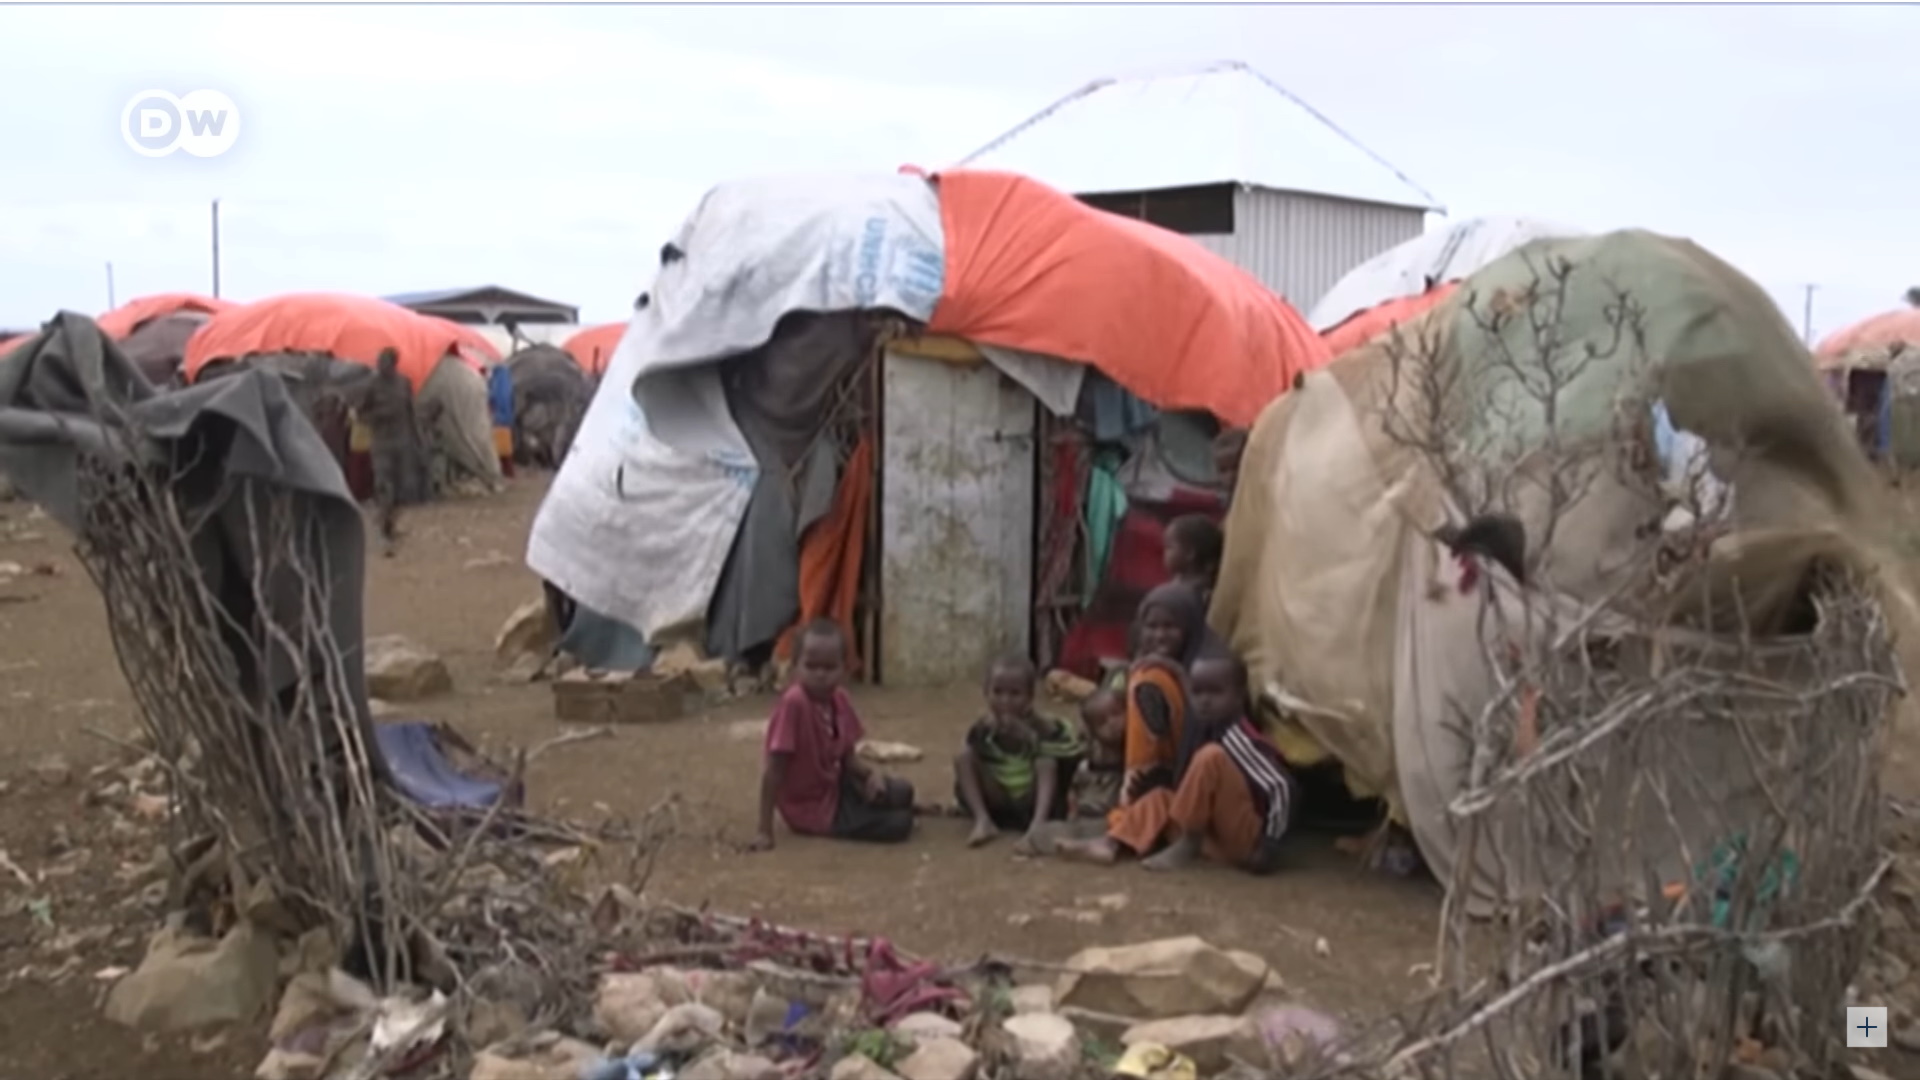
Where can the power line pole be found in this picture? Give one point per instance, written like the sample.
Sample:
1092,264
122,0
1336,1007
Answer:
216,249
110,304
1806,318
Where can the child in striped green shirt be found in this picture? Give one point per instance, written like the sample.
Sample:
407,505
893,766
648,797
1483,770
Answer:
1013,773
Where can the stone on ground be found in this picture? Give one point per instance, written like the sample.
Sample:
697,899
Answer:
402,670
685,659
926,1025
881,752
1156,980
1045,1046
1209,1040
557,1059
1032,998
939,1059
53,770
528,631
728,1065
629,1004
859,1067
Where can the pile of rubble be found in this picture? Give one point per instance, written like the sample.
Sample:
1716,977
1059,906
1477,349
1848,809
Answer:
1176,1008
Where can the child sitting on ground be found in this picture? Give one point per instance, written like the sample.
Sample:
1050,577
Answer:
1096,785
1014,770
1193,546
813,775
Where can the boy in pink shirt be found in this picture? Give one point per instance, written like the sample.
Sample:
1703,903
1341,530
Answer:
812,775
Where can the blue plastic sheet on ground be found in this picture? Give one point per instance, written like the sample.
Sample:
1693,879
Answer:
421,771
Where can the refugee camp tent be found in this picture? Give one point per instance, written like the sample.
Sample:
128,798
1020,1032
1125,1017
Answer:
1342,601
123,321
1871,367
441,359
550,394
921,320
1446,254
1364,326
593,347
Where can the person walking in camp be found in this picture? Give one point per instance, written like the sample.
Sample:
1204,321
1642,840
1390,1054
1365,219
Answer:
1231,798
1193,546
1013,771
386,408
812,775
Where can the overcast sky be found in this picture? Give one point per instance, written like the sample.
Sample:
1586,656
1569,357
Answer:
552,149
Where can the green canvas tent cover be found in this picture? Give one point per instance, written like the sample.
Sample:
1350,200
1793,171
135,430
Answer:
1345,606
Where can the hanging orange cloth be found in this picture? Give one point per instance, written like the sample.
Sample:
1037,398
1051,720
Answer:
832,552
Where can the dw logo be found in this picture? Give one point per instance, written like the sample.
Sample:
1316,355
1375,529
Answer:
204,123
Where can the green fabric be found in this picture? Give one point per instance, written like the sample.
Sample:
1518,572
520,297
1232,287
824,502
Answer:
1011,762
1106,504
1716,348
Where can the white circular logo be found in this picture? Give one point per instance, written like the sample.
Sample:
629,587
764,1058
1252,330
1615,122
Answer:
204,123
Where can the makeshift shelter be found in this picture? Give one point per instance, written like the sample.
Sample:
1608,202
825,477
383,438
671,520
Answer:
122,322
1449,253
593,347
1871,367
441,359
1375,321
836,373
549,396
1344,604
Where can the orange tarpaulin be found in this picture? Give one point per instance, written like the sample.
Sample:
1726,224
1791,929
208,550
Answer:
126,318
831,554
352,328
1879,332
1364,326
475,349
1031,268
593,347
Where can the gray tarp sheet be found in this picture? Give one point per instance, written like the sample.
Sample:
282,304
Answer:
221,434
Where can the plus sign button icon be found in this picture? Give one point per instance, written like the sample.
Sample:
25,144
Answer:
1867,1026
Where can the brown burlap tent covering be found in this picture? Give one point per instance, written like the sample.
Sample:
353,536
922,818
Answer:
1328,585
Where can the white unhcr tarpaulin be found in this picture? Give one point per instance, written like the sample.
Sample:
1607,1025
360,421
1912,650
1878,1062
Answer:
640,519
1449,253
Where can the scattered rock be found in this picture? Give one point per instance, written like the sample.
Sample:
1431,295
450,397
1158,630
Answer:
859,1067
727,1065
682,1029
1034,998
54,770
556,1059
1045,1046
1208,1040
629,1004
731,993
683,659
525,669
381,710
1292,1032
939,1059
1160,979
401,670
747,730
881,752
187,982
528,631
923,1026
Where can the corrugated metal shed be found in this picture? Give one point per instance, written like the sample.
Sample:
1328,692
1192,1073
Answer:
1223,123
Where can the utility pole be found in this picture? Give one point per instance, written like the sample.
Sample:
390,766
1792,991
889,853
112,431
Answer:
110,304
1806,318
216,249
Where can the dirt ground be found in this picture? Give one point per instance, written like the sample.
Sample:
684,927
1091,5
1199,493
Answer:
1347,940
459,573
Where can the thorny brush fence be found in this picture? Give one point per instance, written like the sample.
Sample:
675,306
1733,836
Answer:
1681,813
219,602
